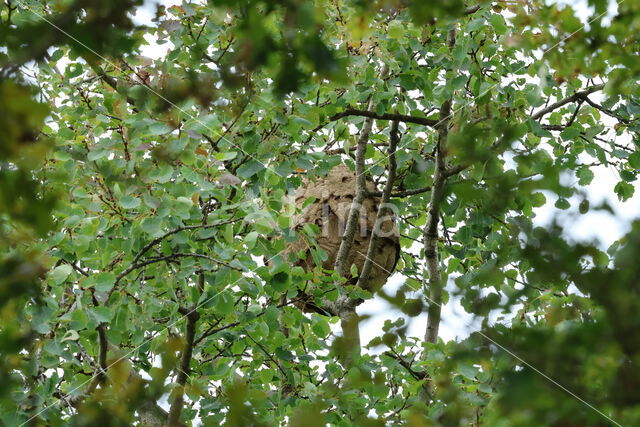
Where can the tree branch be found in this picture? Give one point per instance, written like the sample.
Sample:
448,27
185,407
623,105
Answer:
215,329
430,235
606,111
471,10
455,170
354,212
273,359
418,375
573,98
149,412
103,346
109,80
383,210
157,259
178,401
404,193
99,374
174,231
345,307
385,116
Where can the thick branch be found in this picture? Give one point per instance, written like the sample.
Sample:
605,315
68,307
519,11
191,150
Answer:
404,193
385,116
344,308
430,237
455,170
100,370
103,346
151,414
383,210
354,212
554,127
185,361
430,234
573,98
472,9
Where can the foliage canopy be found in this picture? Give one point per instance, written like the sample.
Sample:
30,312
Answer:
139,198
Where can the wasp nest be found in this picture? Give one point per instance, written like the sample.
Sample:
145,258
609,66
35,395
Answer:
333,196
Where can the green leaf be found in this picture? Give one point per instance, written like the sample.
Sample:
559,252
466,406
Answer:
152,226
538,130
96,155
284,354
538,199
224,304
413,284
250,239
280,281
395,30
477,171
467,371
498,23
159,128
475,24
73,70
249,169
79,320
463,235
624,190
320,326
562,203
634,160
570,133
103,282
102,314
583,208
129,202
55,56
302,122
628,176
585,175
60,273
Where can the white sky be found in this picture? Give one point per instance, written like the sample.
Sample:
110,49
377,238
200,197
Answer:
595,225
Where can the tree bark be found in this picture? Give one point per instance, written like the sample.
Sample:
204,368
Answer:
151,415
383,210
344,307
432,257
430,235
183,373
354,213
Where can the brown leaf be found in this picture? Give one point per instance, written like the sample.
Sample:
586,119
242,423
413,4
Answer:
201,151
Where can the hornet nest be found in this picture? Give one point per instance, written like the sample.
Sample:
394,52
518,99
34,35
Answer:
333,196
